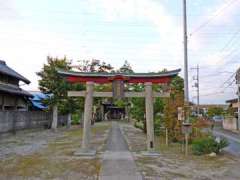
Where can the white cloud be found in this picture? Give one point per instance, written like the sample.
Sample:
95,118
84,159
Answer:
170,38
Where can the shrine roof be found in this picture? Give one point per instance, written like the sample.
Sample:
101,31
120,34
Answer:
104,74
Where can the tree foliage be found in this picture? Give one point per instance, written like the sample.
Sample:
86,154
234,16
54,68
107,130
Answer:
207,145
94,66
56,87
215,111
171,105
51,82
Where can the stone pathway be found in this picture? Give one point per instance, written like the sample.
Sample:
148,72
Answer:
118,162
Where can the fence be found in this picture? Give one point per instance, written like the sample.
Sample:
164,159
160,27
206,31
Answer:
18,120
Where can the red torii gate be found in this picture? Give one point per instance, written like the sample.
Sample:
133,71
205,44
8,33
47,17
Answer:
118,79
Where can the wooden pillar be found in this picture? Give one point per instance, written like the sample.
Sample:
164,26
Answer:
55,118
149,116
87,115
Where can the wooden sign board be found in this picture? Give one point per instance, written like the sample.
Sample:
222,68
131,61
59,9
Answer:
180,114
118,89
186,128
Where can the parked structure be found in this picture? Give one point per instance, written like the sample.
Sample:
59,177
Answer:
12,97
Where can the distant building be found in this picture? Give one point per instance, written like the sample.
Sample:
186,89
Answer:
203,108
233,103
37,101
12,97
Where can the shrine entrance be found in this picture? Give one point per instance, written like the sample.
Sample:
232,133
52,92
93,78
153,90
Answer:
110,111
118,80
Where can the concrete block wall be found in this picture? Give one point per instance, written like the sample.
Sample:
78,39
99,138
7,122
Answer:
18,120
230,123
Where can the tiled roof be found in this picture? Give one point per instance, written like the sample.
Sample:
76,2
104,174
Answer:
4,69
232,100
11,89
102,74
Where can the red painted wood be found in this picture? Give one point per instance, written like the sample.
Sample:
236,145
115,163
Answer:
102,80
153,80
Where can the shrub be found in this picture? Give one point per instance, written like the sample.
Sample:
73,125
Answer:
139,124
75,118
157,126
208,145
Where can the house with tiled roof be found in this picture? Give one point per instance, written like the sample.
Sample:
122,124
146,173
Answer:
12,97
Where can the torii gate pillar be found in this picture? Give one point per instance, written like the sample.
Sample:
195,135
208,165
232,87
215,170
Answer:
87,116
149,116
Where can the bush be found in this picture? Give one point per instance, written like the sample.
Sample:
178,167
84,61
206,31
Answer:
157,126
75,119
139,124
208,145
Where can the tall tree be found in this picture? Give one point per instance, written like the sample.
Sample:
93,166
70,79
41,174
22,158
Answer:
53,84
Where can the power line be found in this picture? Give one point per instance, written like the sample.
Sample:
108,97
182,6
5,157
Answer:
231,39
216,14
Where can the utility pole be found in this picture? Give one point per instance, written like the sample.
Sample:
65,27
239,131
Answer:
196,85
186,125
238,94
185,39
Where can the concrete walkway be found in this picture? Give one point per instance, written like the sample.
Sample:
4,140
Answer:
118,162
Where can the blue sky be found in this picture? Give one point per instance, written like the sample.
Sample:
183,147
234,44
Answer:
147,33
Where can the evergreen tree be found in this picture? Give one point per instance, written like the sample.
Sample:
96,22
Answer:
56,87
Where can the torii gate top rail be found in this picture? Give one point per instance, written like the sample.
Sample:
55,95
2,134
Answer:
101,78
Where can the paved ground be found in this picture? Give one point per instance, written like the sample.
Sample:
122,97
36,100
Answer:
233,138
118,162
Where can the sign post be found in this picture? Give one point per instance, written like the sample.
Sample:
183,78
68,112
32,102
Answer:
186,129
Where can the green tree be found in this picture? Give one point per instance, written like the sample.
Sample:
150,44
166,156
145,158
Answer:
94,66
53,84
215,111
171,104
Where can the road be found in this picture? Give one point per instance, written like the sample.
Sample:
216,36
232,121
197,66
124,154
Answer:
233,138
